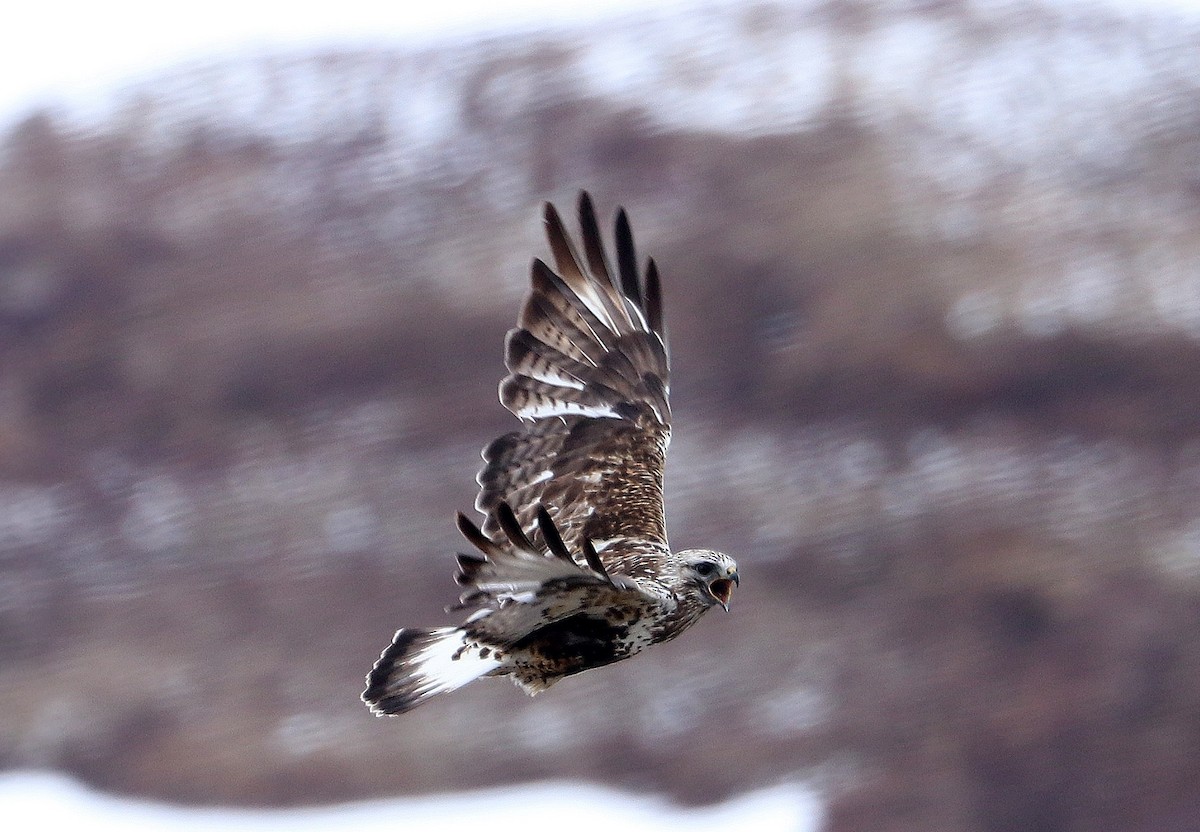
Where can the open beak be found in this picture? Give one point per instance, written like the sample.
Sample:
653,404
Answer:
722,589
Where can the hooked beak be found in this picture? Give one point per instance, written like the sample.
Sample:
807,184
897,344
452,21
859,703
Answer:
722,589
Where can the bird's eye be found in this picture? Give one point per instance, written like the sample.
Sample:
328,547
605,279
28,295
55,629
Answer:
704,568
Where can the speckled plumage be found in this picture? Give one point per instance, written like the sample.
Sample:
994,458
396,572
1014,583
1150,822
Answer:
572,569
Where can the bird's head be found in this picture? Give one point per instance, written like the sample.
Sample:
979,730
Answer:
709,575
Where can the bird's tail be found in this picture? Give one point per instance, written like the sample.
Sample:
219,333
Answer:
420,663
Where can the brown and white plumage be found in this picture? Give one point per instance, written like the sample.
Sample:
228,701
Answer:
573,569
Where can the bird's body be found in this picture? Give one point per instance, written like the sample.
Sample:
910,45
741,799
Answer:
573,570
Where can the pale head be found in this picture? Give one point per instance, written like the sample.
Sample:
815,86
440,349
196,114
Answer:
710,576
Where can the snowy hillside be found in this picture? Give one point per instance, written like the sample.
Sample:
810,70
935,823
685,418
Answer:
931,284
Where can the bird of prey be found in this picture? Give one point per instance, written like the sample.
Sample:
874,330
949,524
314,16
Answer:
572,569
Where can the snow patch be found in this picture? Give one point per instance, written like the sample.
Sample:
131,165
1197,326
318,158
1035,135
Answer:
40,800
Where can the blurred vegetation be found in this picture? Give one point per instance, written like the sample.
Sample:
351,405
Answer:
931,289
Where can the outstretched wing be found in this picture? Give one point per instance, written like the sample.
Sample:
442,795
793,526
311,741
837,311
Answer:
519,586
588,371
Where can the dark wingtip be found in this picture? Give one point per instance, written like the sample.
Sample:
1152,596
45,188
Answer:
468,567
593,559
511,527
556,231
474,534
539,272
593,245
550,534
566,260
627,260
465,526
585,204
654,301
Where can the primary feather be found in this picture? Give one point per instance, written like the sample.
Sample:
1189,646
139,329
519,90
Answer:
572,569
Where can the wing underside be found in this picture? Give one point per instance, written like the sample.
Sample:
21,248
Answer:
518,586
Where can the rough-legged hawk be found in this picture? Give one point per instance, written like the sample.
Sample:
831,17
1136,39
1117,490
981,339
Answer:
573,570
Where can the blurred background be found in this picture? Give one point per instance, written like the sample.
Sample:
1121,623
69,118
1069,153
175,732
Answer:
932,276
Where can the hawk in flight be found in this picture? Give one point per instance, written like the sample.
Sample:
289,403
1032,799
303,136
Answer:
572,569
